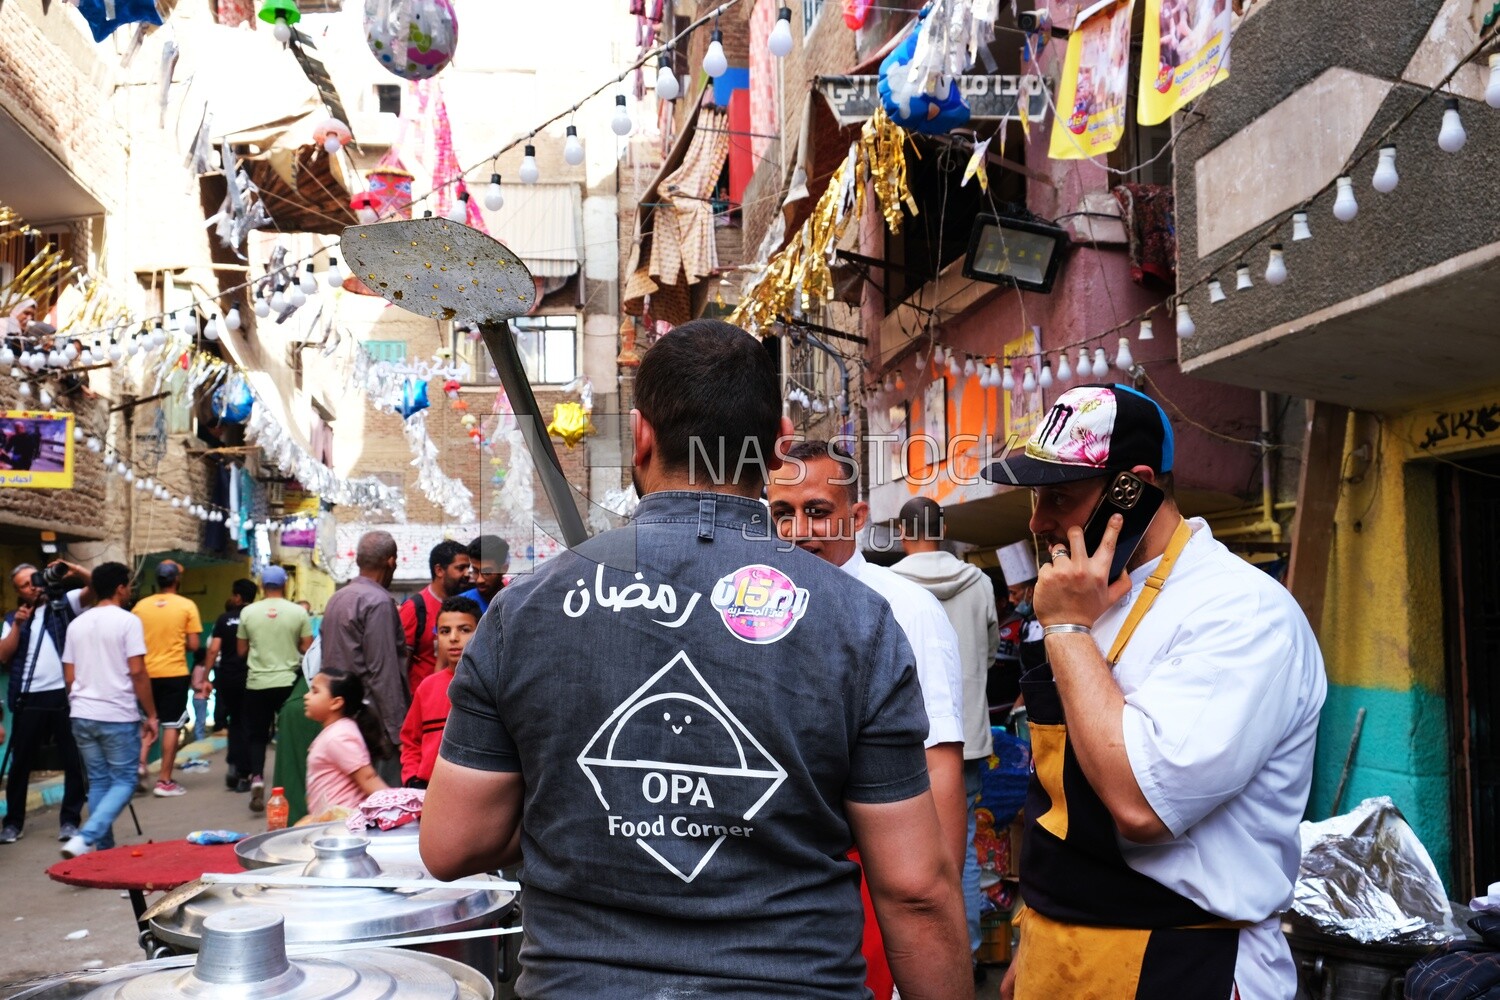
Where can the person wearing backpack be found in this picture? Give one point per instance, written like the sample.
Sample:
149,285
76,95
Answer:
449,564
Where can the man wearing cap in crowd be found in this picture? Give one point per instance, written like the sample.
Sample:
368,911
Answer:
274,633
173,629
1020,633
1172,729
968,599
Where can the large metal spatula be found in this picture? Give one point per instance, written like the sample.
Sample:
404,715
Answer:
447,271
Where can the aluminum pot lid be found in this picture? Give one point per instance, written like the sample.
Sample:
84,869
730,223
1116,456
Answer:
294,845
340,913
244,957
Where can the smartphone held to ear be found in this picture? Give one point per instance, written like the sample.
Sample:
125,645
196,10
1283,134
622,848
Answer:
1134,499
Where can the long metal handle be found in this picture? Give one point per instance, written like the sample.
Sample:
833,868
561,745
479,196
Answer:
502,345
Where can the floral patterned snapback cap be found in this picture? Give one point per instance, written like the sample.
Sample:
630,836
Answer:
1091,430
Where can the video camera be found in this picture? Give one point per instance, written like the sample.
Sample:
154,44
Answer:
52,580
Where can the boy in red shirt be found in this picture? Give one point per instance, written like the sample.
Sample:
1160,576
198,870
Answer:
422,732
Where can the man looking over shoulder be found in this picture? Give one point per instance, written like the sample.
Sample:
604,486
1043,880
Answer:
1172,730
685,725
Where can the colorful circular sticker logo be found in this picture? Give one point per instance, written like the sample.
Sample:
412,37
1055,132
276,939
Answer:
759,603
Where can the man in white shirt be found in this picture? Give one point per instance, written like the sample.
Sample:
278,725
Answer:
815,503
104,667
968,599
1172,729
31,645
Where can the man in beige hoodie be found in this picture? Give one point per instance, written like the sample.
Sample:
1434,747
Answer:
968,598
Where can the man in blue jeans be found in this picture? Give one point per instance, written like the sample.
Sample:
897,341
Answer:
104,668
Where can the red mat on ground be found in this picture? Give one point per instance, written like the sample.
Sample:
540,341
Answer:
146,867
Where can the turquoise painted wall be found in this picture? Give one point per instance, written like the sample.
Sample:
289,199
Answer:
1402,753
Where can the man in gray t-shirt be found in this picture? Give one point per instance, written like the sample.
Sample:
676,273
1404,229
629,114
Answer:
683,726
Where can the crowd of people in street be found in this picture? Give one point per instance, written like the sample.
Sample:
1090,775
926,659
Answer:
734,753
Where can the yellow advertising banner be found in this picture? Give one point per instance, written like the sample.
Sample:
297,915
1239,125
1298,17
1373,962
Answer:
1023,410
36,449
1096,75
1185,51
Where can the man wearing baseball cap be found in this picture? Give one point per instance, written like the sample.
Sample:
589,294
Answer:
1172,728
274,633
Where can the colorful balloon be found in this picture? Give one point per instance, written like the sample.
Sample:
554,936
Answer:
414,39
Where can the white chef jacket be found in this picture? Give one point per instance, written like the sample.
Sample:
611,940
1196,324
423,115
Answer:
1223,683
932,640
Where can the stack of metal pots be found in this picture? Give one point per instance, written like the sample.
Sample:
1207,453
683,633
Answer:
396,847
336,914
243,955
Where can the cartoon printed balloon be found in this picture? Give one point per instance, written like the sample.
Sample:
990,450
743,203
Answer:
414,39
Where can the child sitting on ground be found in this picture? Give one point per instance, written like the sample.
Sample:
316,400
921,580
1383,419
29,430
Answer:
422,732
339,772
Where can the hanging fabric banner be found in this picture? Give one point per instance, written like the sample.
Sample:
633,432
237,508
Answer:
1184,52
1096,74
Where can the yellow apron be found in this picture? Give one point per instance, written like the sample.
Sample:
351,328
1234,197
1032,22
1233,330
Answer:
1095,928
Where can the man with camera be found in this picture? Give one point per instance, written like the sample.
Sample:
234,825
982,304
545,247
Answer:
31,645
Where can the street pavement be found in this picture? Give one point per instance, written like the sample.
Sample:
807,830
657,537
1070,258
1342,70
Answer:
40,914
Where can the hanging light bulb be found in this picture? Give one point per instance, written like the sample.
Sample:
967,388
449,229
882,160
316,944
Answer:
621,124
984,377
572,147
176,503
889,385
24,390
232,319
714,62
1300,230
1242,280
458,212
494,197
1045,378
296,297
954,368
1385,177
1345,208
780,42
968,366
900,383
44,398
1451,137
1007,378
1101,363
529,172
1085,365
1064,368
1185,325
666,80
1028,381
335,276
278,302
309,282
1215,290
7,357
95,445
1124,360
1276,266
190,323
1492,88
70,353
116,353
211,328
158,335
1146,333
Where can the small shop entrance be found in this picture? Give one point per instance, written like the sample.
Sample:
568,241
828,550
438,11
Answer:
1469,496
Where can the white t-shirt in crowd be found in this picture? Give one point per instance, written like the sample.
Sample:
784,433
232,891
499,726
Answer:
933,642
1223,683
47,673
100,643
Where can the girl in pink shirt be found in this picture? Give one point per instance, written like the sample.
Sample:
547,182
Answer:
339,772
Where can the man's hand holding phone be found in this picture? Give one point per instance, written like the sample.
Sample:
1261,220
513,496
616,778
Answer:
1075,588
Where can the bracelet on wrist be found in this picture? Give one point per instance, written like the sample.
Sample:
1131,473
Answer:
1064,629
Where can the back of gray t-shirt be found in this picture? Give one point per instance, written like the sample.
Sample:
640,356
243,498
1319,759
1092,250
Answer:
691,703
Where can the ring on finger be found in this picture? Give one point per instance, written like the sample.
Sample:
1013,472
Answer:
1059,552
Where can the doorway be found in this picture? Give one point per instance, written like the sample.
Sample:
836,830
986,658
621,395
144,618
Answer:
1470,504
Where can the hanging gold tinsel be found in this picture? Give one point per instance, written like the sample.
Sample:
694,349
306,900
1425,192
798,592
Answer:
798,276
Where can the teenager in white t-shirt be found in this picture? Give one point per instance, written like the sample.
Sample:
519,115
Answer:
104,667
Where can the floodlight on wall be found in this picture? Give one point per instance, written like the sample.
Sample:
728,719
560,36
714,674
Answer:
1015,251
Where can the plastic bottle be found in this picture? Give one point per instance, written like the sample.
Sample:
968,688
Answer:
277,809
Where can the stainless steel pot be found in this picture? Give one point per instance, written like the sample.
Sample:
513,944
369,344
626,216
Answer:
294,846
338,914
244,957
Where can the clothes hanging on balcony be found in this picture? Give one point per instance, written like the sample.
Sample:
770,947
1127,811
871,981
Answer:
682,251
1150,229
